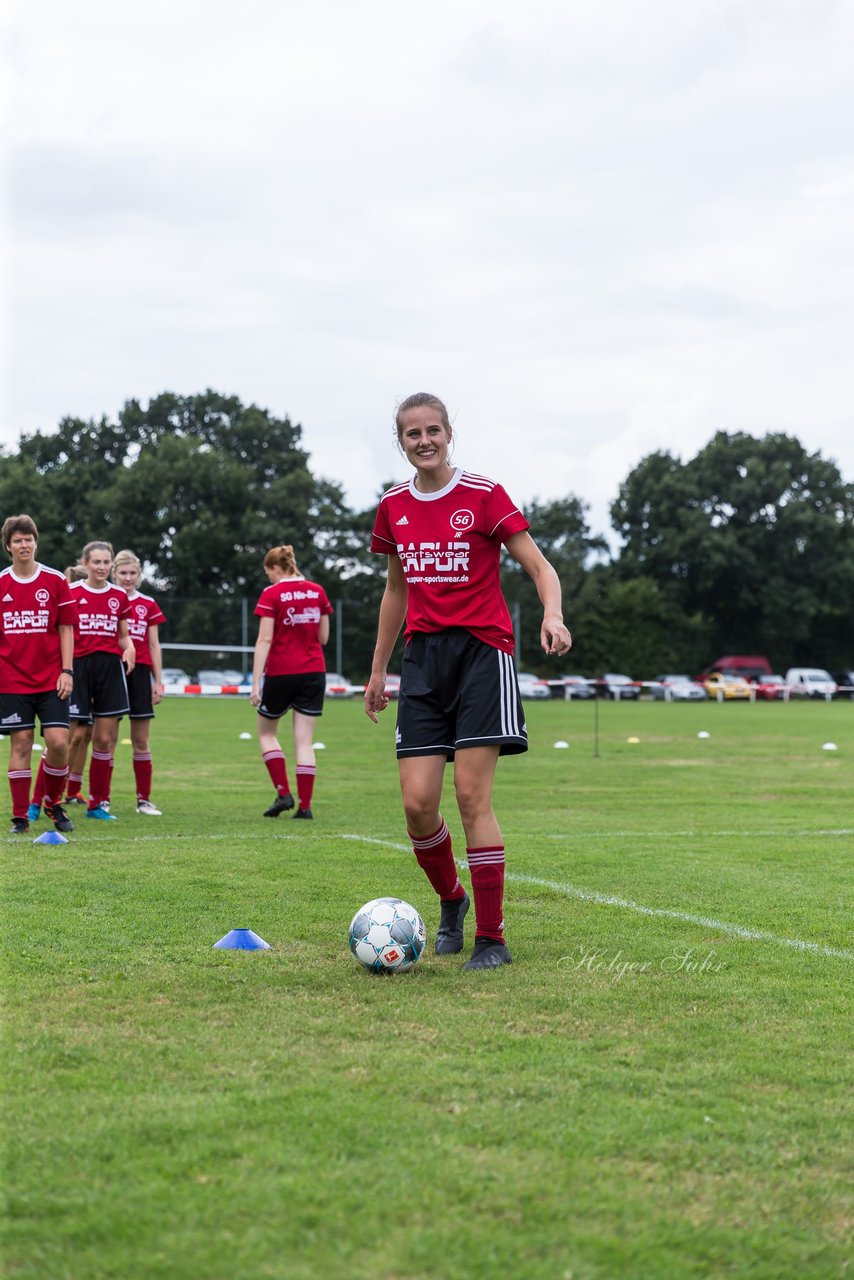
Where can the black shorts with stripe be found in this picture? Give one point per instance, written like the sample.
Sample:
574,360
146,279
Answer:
100,687
455,692
303,692
19,711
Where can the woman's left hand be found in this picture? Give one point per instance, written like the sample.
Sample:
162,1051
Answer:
555,636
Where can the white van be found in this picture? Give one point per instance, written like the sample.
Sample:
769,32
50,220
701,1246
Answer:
814,682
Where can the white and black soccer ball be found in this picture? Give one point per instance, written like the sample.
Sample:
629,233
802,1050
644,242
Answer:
387,935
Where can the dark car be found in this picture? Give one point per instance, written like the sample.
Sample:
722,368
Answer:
613,685
572,687
845,683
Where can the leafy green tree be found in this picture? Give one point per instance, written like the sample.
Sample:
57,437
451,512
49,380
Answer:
753,536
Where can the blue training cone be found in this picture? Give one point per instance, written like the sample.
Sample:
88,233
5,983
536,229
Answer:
50,837
242,940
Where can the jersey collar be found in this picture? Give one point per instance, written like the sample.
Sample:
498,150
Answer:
440,493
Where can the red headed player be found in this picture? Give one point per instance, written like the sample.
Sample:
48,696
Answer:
289,671
459,698
145,682
36,651
103,650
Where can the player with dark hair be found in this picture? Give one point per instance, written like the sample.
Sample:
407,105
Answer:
459,699
36,653
103,651
288,671
145,682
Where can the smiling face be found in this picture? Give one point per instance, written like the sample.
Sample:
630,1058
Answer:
98,564
425,439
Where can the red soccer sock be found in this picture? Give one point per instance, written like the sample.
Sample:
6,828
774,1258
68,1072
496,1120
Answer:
142,771
75,785
100,773
275,762
39,788
19,785
487,882
53,783
306,774
435,856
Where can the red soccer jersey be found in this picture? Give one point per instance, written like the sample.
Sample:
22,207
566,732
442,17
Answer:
99,611
296,607
31,610
449,545
145,612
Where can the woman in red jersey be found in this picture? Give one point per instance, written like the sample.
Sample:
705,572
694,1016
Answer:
36,651
145,682
103,651
459,700
289,671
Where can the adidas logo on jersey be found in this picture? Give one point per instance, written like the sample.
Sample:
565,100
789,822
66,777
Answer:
6,597
402,520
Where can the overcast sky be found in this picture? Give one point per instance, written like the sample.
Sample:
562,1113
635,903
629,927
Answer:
593,230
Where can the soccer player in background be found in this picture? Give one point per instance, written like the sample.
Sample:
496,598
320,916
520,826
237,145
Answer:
289,671
145,681
459,699
77,759
103,651
36,653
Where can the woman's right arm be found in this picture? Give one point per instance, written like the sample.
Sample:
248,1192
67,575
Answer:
262,652
392,618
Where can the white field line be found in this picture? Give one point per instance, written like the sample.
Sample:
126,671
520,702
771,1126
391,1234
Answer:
626,904
699,835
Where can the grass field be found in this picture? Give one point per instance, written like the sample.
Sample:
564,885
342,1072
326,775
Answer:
660,1085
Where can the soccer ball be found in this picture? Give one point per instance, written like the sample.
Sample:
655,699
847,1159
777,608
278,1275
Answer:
387,935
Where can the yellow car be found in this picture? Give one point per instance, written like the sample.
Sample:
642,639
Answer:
720,686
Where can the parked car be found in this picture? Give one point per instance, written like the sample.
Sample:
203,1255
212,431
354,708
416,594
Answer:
728,687
770,687
392,686
749,665
677,688
810,682
338,686
613,685
175,675
532,686
229,677
845,683
573,687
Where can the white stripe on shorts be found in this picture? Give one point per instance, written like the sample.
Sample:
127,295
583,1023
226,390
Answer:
507,685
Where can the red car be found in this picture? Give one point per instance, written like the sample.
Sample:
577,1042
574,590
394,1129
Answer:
770,687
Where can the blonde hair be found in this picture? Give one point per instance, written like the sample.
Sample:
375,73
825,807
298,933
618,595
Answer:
421,400
124,558
76,572
283,558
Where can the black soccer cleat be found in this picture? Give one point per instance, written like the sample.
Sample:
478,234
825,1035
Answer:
449,936
304,813
19,827
488,954
279,805
58,816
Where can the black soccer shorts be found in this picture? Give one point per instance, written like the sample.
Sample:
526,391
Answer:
19,711
100,687
455,692
303,692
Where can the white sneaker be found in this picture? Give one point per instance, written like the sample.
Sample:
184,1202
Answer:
145,806
105,805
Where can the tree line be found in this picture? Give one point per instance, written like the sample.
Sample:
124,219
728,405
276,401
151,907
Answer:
746,548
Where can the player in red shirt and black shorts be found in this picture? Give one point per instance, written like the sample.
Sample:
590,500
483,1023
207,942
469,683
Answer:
145,682
289,671
103,651
36,652
459,698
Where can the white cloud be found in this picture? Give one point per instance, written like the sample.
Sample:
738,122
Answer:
595,231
